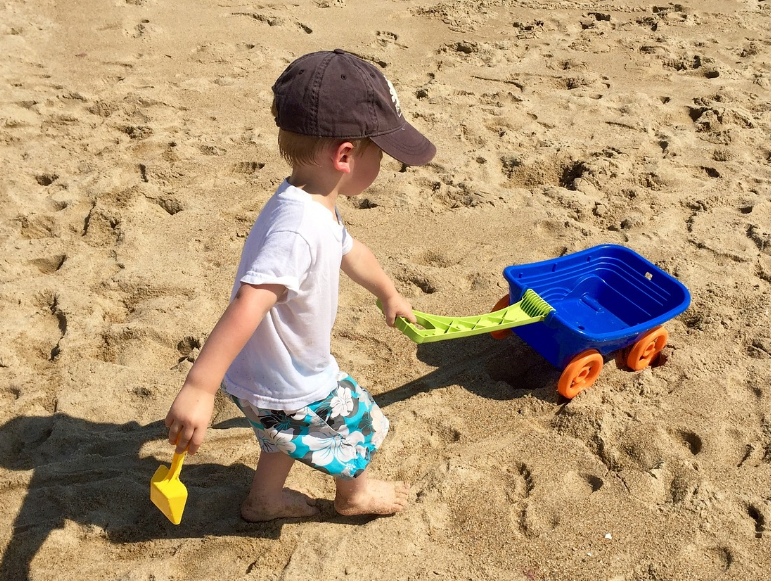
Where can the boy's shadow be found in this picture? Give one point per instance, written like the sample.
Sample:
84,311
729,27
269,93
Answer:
497,369
91,473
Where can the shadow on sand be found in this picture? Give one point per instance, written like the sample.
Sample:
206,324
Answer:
92,473
495,369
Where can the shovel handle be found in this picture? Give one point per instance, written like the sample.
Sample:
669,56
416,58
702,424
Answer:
176,466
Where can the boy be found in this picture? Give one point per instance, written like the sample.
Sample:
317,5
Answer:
270,350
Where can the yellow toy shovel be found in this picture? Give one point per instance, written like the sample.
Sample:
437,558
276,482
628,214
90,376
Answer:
166,490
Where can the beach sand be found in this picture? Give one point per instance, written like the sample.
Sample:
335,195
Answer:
137,148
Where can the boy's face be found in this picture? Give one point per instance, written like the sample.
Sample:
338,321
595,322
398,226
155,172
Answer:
364,170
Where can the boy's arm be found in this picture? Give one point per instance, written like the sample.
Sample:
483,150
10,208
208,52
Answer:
191,411
364,269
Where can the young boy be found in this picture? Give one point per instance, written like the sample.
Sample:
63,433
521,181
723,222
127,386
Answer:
270,350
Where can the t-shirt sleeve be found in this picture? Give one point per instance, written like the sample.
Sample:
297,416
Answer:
347,241
283,258
347,238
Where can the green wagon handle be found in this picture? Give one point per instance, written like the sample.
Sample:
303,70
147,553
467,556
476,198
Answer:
430,328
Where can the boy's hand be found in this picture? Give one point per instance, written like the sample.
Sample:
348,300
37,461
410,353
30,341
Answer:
189,417
397,306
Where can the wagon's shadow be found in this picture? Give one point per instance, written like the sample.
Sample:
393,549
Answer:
92,474
496,369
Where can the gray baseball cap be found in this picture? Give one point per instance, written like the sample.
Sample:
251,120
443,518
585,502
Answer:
338,95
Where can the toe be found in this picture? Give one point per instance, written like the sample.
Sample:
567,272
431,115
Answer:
311,511
300,494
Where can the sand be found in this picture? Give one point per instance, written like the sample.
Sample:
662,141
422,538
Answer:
137,148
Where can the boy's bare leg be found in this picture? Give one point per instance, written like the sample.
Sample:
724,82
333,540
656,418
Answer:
364,495
268,499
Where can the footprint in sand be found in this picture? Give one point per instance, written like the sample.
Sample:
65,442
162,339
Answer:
49,326
101,227
423,283
247,167
702,556
760,348
542,514
758,519
387,39
188,348
691,441
726,232
143,30
49,264
434,257
272,20
36,226
523,485
582,483
171,205
759,225
46,179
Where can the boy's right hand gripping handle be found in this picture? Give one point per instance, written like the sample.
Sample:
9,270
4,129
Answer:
430,328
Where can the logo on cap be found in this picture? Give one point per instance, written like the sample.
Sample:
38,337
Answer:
394,97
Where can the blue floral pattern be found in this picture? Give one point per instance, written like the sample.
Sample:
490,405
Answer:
336,435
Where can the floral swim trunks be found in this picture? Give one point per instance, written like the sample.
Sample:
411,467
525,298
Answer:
336,435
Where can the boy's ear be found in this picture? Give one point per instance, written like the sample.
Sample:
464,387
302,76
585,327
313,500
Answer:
341,157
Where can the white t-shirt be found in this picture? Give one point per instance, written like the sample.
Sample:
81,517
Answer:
287,363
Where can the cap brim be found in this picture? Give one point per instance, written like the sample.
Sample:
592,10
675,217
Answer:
406,145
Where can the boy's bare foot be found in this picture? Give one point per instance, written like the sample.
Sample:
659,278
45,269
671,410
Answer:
290,503
375,497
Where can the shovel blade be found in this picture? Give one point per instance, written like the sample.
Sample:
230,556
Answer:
169,495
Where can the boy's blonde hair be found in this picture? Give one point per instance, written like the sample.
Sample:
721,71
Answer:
299,149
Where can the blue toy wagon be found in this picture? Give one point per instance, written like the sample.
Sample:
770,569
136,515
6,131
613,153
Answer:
574,310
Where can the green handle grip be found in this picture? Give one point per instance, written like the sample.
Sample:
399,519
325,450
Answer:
430,328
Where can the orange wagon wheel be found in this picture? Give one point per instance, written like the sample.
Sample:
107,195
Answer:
501,304
580,374
647,348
